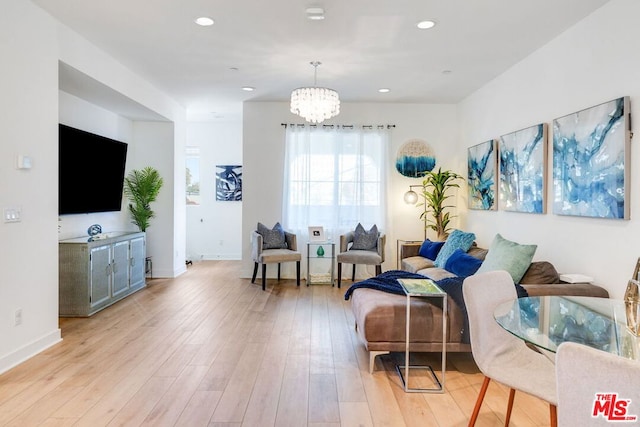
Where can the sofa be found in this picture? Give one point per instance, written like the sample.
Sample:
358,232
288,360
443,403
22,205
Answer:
380,316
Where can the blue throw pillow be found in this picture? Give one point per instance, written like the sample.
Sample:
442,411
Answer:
430,249
462,264
456,240
364,240
274,238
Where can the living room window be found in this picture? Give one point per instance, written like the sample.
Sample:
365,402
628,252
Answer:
334,177
192,160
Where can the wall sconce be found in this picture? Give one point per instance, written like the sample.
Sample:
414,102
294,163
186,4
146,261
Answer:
411,198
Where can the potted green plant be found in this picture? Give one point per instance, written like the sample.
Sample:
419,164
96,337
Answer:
435,191
141,188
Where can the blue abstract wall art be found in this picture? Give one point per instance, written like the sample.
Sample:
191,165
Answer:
482,175
591,150
415,158
522,165
228,183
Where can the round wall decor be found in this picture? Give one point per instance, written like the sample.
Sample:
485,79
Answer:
415,158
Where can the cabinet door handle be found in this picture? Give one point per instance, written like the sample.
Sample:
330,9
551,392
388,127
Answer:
132,261
113,268
107,270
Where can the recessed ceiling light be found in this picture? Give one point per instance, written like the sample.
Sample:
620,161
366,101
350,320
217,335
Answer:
248,88
384,90
204,21
425,25
446,71
315,13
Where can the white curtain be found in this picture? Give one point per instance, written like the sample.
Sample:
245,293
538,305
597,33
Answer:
335,177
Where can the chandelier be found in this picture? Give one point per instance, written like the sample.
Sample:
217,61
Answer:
315,104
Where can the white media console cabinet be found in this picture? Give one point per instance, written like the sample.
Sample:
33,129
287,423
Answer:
93,274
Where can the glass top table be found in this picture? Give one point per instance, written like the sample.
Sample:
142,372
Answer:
548,321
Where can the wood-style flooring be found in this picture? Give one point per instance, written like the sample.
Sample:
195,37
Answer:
211,349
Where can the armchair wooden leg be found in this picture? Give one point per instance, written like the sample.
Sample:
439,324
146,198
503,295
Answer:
264,276
278,272
353,275
378,269
553,414
298,273
255,272
476,409
512,394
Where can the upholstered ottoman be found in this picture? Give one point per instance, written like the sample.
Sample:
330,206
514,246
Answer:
380,319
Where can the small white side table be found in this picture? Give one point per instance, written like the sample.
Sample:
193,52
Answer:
424,288
320,254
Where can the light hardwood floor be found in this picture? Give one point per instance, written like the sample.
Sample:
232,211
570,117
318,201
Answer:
211,349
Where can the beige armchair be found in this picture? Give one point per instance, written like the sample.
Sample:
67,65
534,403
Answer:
273,256
357,256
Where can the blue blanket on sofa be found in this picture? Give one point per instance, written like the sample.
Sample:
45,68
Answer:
388,282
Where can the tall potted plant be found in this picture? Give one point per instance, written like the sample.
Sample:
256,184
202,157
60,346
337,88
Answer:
141,188
436,186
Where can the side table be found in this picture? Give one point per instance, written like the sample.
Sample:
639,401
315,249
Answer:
319,254
399,244
424,288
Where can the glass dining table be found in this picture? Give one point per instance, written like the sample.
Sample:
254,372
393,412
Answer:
548,321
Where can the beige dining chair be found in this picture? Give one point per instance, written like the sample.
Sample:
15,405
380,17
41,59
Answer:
595,387
499,355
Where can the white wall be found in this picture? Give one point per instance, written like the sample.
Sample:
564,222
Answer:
32,45
263,154
29,123
214,227
593,62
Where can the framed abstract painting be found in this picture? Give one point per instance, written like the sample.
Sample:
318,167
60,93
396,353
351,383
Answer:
482,175
522,165
591,161
228,183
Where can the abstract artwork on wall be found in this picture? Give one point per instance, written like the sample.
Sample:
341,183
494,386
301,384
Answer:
228,183
522,166
591,150
482,175
415,158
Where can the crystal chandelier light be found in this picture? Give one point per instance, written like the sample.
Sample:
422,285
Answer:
315,104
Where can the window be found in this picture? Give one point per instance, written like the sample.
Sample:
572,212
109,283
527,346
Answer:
334,177
193,175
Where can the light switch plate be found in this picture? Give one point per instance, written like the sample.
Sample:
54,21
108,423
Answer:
12,214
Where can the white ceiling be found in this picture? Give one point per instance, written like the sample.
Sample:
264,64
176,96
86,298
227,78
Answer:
363,45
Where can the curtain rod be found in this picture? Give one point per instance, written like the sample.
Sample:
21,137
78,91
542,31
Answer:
338,126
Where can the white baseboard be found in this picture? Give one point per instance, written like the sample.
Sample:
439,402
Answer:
26,352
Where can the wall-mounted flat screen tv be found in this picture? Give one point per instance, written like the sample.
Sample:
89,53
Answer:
90,172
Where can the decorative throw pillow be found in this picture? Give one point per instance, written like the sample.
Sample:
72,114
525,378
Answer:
274,238
456,240
462,264
430,249
365,240
510,256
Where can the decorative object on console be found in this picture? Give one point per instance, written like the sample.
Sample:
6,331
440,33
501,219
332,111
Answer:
142,188
94,230
482,176
509,256
523,177
316,234
320,251
315,104
591,159
415,158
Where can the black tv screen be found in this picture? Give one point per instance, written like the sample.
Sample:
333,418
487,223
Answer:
90,172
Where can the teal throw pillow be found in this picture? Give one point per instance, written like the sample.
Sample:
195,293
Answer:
365,240
456,240
462,264
509,256
430,249
272,238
